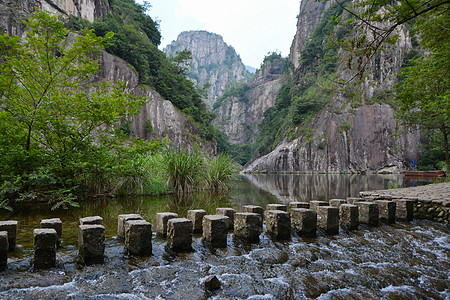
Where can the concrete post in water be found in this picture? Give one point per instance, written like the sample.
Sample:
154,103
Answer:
349,216
304,221
337,202
276,206
44,248
278,224
352,200
368,213
91,243
228,212
328,219
404,210
138,237
292,205
121,219
3,250
215,230
253,209
96,220
161,222
179,234
248,226
386,210
56,224
314,204
11,228
196,217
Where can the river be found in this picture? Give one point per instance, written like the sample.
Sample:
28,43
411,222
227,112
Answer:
400,261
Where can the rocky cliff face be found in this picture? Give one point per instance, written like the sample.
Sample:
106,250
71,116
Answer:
347,137
239,117
213,62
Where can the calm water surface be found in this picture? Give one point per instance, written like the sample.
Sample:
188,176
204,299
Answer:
401,261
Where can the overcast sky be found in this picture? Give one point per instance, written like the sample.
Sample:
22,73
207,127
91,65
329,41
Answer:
252,27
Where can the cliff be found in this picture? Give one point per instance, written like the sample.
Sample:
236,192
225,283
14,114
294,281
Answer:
213,62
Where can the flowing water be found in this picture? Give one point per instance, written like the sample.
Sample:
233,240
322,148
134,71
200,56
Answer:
400,261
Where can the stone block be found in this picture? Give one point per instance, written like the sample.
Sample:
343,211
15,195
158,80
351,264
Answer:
352,200
253,209
96,220
179,234
11,227
196,217
121,219
337,202
368,213
349,216
56,224
276,206
292,205
138,237
328,219
44,248
248,226
304,221
314,204
3,250
91,243
228,212
215,230
278,224
161,222
386,211
404,210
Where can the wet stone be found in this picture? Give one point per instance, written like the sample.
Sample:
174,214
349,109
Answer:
121,219
328,219
314,204
179,234
304,222
278,224
368,213
91,243
196,217
215,230
386,210
161,222
96,220
276,206
352,200
228,212
138,237
10,227
56,224
349,216
337,202
253,209
248,226
3,250
404,210
44,248
212,283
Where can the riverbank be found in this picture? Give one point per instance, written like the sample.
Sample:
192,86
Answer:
431,202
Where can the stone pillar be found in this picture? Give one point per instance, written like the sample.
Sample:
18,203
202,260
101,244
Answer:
196,217
368,213
337,202
121,219
96,220
228,212
278,224
328,219
404,210
11,228
54,224
352,200
253,209
44,248
3,250
276,206
349,216
215,230
304,222
314,204
386,210
138,237
91,243
161,222
248,226
179,234
297,205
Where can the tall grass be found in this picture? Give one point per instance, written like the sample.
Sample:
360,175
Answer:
220,171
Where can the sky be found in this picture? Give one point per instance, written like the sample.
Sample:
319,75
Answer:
253,27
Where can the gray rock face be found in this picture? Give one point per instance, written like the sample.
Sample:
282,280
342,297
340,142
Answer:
213,62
